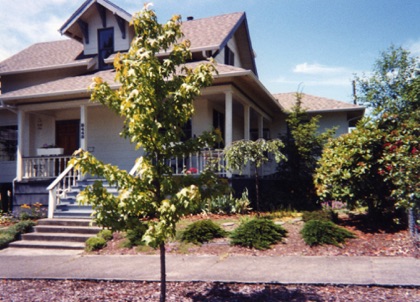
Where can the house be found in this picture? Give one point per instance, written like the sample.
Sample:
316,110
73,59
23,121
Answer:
45,100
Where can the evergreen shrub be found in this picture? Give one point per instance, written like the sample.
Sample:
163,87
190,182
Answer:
258,233
94,244
319,232
202,231
324,215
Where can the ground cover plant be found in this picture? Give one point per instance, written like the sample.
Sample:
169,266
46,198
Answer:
318,232
202,231
258,233
13,232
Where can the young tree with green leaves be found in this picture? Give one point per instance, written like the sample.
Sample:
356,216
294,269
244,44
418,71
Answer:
241,153
155,100
378,165
303,146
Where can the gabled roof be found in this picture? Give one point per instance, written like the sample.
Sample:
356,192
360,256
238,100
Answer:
314,104
72,30
44,56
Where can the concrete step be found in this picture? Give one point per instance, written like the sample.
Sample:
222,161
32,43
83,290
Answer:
66,222
35,244
56,237
66,229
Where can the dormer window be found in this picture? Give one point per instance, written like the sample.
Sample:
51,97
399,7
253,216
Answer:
105,46
229,56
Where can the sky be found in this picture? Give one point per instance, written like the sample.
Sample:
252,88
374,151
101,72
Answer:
312,46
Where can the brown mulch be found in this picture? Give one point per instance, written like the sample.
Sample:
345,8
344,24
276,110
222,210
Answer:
397,243
76,290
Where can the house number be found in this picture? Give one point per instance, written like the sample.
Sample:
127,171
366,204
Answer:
82,131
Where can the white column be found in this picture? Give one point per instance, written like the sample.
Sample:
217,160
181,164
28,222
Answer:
228,118
228,122
83,127
21,124
260,126
247,111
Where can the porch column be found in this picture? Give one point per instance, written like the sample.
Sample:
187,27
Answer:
247,110
83,127
228,122
21,119
260,126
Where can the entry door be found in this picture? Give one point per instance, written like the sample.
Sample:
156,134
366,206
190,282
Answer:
67,135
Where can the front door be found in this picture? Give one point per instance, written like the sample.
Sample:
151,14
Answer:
67,135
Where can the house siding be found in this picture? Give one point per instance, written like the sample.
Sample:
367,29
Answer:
7,168
104,140
95,23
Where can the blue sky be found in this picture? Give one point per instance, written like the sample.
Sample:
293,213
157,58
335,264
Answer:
317,45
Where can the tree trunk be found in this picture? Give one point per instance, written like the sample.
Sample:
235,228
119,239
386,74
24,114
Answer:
162,273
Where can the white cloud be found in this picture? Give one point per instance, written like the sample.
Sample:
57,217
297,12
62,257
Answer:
414,47
316,68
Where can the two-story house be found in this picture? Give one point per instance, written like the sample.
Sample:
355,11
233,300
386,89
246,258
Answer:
45,113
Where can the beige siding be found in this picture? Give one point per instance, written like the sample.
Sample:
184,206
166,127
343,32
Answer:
95,23
103,138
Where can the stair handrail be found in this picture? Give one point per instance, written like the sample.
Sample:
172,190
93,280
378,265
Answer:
56,185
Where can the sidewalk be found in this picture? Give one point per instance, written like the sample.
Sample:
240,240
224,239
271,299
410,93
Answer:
47,264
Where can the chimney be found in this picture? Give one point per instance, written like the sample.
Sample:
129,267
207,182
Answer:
190,18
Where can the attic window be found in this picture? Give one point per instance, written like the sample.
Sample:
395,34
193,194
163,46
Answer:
105,46
229,57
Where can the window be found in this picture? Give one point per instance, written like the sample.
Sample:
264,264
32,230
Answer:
105,46
219,123
254,134
8,143
229,56
187,129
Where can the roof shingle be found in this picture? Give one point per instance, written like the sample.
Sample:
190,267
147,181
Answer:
313,103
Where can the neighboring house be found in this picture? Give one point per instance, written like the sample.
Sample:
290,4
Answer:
45,96
333,113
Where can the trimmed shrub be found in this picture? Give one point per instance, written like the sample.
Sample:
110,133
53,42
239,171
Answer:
6,238
258,233
105,234
318,232
322,215
202,231
135,236
95,243
22,227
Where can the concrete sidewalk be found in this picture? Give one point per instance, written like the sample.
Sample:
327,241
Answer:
50,264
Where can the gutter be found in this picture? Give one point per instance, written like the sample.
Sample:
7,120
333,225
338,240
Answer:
7,107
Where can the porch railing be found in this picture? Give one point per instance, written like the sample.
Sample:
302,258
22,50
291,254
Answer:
195,163
39,167
60,186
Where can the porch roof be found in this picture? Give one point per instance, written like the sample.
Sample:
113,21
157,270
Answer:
77,86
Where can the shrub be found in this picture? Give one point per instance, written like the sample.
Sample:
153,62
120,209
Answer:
6,238
258,233
318,232
135,236
324,215
202,231
105,234
23,227
227,204
95,243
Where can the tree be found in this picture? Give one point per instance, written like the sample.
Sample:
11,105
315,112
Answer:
303,146
242,152
378,165
155,101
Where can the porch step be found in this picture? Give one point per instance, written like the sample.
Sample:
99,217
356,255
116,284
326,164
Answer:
58,234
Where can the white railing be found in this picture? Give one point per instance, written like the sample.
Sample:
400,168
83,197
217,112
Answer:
41,167
195,163
60,187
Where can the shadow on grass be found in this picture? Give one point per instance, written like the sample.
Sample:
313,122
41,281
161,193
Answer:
227,292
